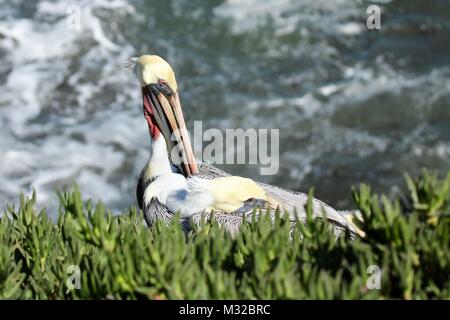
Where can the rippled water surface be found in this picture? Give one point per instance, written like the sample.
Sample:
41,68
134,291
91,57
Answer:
352,105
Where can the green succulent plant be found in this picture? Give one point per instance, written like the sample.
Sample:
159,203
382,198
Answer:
118,257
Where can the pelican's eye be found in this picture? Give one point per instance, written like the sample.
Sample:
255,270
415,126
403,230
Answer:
164,88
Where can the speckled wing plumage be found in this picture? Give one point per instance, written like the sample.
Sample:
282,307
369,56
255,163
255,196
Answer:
231,222
155,210
293,202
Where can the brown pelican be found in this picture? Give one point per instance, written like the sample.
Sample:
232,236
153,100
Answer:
191,187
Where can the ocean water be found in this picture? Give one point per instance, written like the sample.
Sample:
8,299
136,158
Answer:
352,105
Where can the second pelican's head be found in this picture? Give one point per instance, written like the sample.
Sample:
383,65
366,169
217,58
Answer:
162,110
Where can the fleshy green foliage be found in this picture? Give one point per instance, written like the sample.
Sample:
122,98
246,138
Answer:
119,257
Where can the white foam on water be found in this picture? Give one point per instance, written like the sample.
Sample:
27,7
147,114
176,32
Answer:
68,109
286,15
80,138
247,15
351,28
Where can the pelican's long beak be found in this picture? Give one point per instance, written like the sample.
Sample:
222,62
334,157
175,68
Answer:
163,106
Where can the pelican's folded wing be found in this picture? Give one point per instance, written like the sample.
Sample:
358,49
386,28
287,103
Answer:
231,222
293,202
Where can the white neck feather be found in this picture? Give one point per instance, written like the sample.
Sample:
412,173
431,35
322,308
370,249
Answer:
159,159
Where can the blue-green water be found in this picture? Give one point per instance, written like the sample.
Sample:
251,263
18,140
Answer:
352,105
